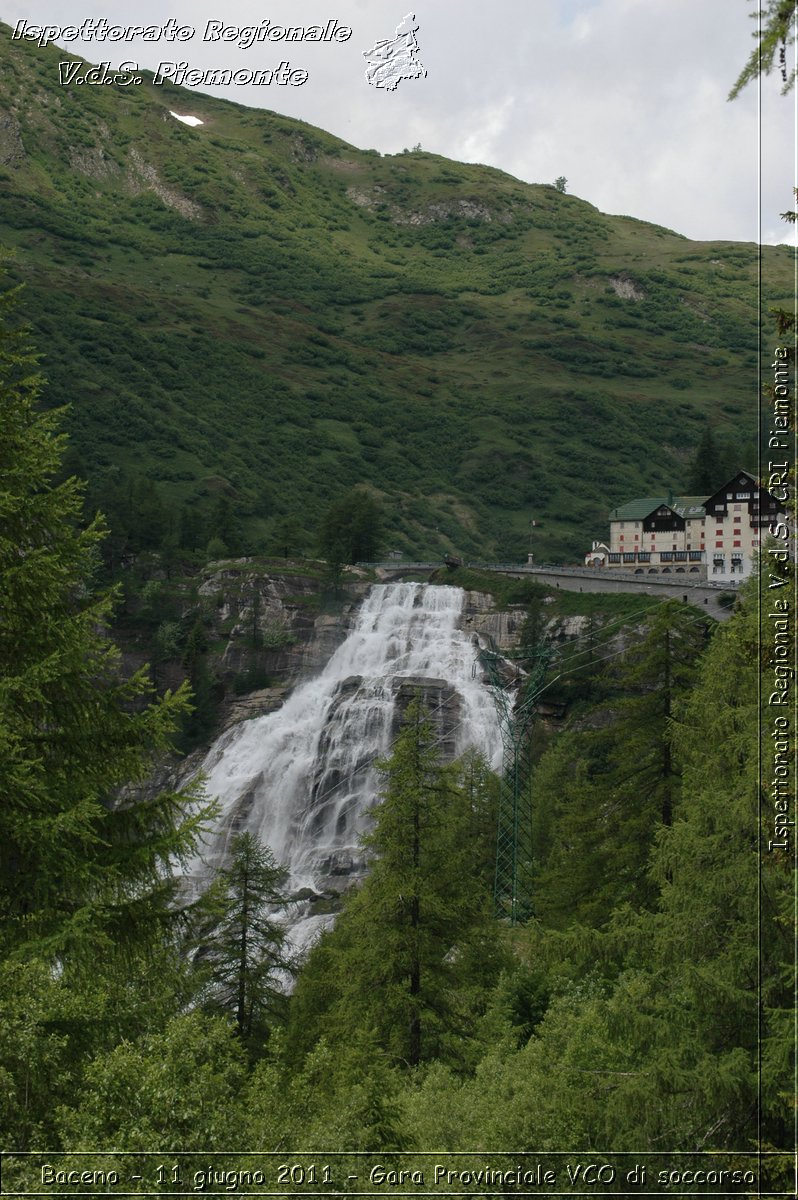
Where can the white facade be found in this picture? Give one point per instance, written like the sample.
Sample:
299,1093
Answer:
714,537
637,536
736,523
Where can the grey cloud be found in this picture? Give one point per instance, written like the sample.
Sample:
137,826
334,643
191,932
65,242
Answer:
625,99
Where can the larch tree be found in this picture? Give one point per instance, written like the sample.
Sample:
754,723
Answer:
776,30
602,792
704,978
406,965
244,947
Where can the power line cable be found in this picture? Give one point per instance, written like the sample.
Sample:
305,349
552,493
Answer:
369,762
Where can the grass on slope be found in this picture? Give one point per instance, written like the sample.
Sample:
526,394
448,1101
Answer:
257,308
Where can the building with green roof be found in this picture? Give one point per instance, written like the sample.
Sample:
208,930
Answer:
715,537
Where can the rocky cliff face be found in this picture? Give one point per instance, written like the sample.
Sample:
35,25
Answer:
270,625
498,629
275,624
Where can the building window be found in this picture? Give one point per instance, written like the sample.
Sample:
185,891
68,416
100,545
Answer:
620,539
742,496
718,545
738,507
754,541
737,544
737,520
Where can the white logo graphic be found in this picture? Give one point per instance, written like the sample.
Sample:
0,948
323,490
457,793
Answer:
391,60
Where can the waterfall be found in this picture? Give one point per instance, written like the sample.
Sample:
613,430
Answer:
303,779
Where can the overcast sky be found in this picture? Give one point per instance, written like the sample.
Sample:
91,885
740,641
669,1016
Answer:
626,98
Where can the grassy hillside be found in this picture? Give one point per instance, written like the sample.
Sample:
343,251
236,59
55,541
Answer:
257,310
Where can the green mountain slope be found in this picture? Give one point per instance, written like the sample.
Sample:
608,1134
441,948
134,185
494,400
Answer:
256,309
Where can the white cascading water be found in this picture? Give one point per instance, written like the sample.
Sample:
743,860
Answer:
302,779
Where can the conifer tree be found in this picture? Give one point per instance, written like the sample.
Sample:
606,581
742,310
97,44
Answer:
776,29
706,467
244,946
715,949
415,947
77,862
352,529
206,689
409,888
654,1027
601,793
480,789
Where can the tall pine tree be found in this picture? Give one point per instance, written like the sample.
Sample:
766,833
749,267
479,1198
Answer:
244,944
78,864
414,948
601,793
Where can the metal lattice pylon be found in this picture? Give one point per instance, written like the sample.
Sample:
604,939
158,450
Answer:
513,882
